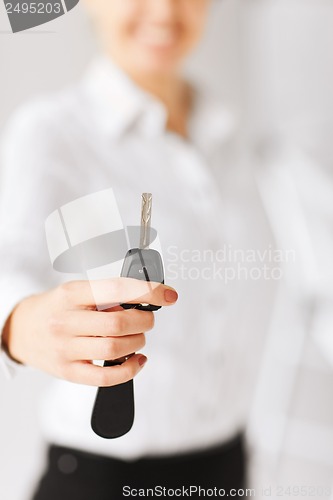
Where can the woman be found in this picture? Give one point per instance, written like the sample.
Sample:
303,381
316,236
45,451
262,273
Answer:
133,124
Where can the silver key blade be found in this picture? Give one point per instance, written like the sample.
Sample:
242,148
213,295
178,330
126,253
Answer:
147,201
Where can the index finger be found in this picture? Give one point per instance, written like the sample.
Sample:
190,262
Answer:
110,292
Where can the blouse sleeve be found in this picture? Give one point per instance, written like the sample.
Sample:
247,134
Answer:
32,185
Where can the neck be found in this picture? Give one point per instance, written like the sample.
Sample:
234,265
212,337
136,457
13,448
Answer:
168,89
173,92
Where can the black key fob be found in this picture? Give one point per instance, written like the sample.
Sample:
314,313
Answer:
143,264
113,413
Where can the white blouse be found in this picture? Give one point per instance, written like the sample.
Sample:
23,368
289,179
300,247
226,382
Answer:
104,132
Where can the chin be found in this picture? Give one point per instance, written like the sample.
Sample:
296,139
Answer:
157,64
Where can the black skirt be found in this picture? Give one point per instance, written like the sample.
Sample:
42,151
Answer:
76,475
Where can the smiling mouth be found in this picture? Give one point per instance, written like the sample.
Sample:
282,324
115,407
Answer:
159,38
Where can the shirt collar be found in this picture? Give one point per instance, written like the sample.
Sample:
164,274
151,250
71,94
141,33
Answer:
119,105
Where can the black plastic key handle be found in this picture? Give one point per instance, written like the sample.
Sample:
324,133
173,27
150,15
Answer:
113,413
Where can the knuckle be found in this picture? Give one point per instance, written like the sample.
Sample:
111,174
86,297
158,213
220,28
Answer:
128,371
145,321
142,341
151,321
66,290
106,324
66,287
103,378
116,323
111,349
55,324
117,287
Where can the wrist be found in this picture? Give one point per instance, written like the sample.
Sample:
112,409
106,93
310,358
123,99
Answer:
6,340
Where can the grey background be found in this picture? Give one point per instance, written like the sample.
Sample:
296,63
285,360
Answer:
271,60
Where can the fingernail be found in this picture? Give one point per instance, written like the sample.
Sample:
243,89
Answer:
170,295
142,360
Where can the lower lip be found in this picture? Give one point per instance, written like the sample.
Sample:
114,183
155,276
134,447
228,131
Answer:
156,45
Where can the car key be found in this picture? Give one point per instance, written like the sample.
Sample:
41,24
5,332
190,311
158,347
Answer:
143,263
113,412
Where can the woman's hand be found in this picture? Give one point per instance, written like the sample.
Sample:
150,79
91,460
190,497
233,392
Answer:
61,332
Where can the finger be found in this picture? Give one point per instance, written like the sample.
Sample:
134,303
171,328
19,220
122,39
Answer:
83,372
104,324
110,292
88,348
